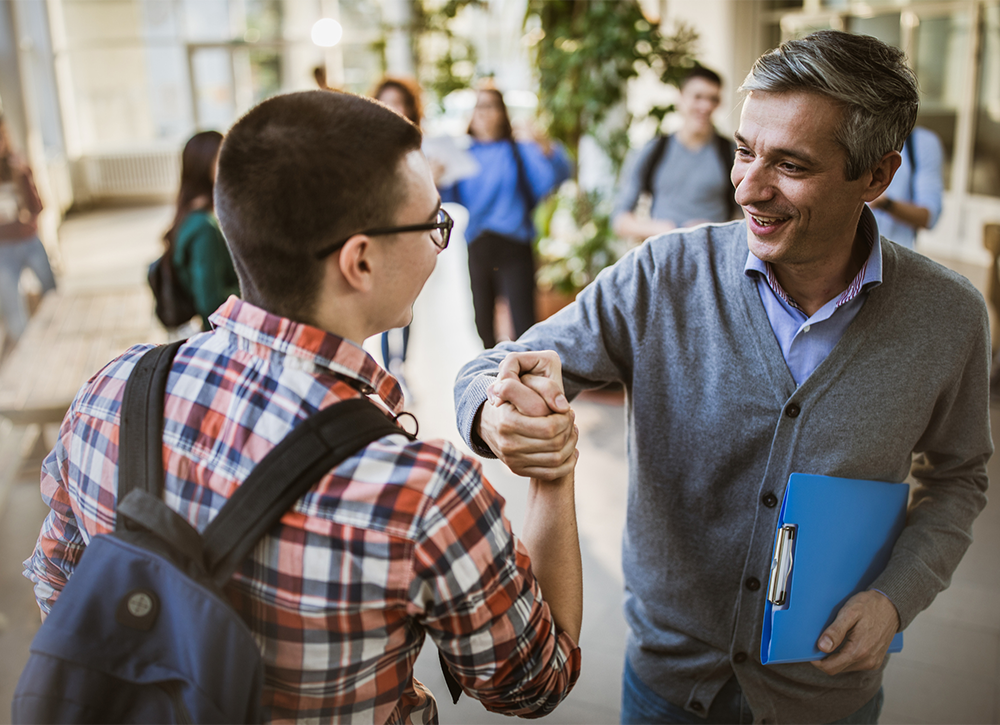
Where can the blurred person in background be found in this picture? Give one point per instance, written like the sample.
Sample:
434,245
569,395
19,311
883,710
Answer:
685,173
402,95
913,199
20,247
513,177
199,251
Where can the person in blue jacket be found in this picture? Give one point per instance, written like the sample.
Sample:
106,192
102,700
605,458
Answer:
513,176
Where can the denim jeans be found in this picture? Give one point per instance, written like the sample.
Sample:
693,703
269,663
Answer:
642,706
14,258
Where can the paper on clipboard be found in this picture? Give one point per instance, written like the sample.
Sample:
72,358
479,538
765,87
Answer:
458,163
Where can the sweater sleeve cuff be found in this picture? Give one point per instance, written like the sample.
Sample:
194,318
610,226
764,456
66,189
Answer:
472,400
909,585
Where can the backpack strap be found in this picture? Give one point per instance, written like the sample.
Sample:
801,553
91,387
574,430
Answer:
652,163
911,157
523,183
724,147
140,433
314,447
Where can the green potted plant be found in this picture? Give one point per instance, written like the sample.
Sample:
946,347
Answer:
585,54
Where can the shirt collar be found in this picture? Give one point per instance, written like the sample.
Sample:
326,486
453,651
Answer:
870,274
271,333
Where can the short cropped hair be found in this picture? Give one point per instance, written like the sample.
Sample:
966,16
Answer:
700,71
301,171
867,78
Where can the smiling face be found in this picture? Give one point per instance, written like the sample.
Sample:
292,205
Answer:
790,179
698,100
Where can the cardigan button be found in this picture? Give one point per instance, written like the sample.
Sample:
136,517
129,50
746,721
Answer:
770,500
740,657
753,584
697,706
793,410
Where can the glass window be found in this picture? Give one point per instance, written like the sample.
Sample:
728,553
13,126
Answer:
985,168
875,4
883,27
771,35
939,60
263,19
799,27
212,69
206,20
265,73
111,96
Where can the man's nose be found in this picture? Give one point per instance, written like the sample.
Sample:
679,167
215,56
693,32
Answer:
753,183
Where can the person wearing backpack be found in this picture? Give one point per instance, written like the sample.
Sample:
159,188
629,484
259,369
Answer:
198,250
334,224
513,177
685,173
913,200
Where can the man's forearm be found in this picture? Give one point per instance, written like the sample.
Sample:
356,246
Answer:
907,212
551,537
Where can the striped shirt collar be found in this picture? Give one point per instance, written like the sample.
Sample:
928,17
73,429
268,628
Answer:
267,334
870,274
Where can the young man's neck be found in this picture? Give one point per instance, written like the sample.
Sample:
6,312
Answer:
695,135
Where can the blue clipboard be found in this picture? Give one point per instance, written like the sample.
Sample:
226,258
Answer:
834,537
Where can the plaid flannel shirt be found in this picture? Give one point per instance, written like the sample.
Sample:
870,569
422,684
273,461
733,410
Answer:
402,539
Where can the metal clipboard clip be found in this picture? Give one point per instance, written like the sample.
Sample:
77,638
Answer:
781,566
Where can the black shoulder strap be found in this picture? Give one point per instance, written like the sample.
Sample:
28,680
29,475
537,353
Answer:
298,462
523,183
912,158
295,465
140,462
653,162
724,147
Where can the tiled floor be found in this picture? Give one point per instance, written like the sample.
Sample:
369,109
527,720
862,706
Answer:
948,672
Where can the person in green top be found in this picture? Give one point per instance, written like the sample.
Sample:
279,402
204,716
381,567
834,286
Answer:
198,249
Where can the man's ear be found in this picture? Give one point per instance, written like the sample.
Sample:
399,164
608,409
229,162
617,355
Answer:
355,263
881,175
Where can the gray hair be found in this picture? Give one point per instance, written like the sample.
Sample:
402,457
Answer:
868,78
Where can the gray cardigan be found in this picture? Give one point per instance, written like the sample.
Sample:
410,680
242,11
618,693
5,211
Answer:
716,425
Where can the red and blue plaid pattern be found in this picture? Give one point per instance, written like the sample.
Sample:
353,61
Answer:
402,539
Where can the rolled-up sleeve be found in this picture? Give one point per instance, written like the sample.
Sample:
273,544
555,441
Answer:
474,591
60,542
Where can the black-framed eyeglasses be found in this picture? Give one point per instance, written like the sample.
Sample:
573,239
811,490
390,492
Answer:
443,226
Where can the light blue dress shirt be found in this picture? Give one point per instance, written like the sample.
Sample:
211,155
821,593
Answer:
806,340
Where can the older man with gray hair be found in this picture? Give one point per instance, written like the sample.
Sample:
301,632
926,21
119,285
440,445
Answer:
824,349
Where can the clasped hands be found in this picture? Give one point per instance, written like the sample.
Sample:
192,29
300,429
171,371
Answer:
528,423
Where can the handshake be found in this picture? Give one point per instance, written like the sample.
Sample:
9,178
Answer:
527,420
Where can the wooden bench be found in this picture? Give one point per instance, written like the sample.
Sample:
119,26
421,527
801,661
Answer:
71,337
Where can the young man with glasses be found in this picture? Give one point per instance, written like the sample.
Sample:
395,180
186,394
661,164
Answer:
334,225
